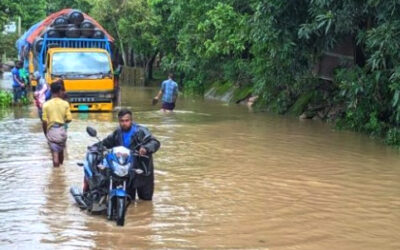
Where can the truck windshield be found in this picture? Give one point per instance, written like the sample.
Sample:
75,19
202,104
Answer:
80,63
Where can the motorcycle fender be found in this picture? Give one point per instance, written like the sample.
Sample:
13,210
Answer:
119,192
86,168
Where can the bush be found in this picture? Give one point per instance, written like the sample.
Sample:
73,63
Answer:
393,137
6,98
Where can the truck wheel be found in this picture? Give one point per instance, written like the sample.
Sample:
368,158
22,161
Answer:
121,208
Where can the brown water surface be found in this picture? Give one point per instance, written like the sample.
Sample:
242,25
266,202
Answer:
225,178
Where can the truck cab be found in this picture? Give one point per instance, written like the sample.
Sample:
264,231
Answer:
87,74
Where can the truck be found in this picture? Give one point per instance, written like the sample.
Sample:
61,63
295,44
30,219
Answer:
72,46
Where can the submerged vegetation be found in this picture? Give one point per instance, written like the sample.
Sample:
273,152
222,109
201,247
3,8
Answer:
6,98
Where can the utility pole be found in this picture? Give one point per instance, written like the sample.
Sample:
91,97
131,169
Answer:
19,26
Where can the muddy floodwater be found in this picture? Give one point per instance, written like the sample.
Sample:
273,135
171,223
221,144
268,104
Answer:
226,177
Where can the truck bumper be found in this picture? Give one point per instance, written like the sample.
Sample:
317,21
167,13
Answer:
86,107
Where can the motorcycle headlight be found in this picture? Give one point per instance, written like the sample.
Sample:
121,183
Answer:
121,170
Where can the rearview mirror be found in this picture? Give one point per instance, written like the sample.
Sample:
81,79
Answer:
91,131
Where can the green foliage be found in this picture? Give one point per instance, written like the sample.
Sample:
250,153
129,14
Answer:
222,88
368,107
205,40
393,137
7,45
242,93
279,58
25,100
31,12
301,103
8,9
52,6
6,98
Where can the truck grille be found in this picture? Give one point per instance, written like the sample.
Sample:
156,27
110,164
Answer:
90,97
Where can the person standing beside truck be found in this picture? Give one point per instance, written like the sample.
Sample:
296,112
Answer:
56,114
24,76
17,82
40,92
169,93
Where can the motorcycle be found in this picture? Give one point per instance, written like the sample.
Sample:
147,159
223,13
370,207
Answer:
108,174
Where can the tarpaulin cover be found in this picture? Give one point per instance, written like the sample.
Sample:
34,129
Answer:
21,42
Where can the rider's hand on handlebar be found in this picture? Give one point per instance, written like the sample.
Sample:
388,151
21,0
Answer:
142,151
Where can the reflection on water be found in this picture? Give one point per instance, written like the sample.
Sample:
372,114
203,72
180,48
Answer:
225,178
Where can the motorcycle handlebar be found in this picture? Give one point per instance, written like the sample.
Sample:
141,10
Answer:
136,153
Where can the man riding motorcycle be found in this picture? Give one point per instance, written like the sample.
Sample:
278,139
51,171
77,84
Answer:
136,138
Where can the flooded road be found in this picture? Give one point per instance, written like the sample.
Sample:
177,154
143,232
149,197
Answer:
225,178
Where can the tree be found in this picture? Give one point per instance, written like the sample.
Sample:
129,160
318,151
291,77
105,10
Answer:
135,27
57,5
8,9
371,90
31,12
205,40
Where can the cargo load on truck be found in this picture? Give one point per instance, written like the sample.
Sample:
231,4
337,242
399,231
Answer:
72,46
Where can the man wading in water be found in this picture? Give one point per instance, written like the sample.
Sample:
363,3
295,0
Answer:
56,114
136,138
169,93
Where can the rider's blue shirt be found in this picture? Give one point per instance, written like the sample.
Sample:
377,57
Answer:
126,136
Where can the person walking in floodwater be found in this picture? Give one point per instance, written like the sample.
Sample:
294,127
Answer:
136,138
18,84
169,93
40,92
56,114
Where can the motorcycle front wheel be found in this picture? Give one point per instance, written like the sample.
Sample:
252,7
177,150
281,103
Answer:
121,208
110,208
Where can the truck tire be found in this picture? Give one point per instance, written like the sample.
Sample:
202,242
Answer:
98,34
60,22
72,31
75,17
87,28
53,33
